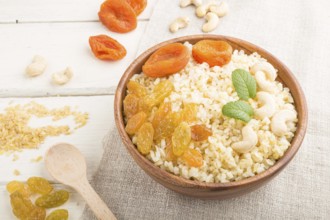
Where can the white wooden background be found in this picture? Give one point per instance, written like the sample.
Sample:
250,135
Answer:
59,31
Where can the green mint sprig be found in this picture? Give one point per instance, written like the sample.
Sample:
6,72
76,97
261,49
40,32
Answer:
245,85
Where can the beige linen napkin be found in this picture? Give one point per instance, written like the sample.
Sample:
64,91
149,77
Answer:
295,31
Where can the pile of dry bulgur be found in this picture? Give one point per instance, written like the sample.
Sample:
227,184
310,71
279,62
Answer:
16,134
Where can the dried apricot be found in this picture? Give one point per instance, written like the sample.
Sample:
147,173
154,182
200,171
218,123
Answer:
106,48
192,158
189,112
118,16
213,52
181,138
136,89
58,214
167,60
200,132
39,185
131,105
137,5
145,138
53,199
135,122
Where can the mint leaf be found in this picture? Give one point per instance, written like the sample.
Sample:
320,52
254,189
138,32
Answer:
245,85
238,110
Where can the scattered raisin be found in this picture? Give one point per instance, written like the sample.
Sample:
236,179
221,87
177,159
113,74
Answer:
39,185
53,199
58,214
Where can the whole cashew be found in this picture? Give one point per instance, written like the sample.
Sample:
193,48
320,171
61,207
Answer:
265,67
264,83
279,120
268,107
221,10
185,3
179,23
212,21
63,77
204,8
37,66
250,139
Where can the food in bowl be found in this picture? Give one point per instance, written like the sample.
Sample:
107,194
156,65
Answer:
220,118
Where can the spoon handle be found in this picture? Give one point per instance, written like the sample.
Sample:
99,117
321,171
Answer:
100,209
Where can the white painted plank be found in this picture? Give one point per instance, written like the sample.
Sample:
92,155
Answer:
62,44
75,204
88,138
56,10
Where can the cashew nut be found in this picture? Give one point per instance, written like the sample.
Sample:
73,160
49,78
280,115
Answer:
179,23
37,66
63,77
221,10
185,3
265,84
265,67
279,120
250,139
268,107
212,21
204,8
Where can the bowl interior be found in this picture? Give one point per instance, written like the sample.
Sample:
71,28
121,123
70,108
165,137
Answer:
284,75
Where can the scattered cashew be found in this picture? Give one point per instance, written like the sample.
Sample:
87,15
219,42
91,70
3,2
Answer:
37,66
204,8
265,67
185,3
221,10
250,139
268,107
179,23
212,21
279,120
63,77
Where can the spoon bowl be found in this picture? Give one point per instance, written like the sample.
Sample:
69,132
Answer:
67,165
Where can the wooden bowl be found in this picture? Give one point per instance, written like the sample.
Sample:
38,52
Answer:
213,190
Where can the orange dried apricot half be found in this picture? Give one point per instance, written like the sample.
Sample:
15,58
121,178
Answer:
137,5
213,52
118,16
167,60
106,48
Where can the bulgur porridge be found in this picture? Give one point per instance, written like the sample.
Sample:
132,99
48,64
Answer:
221,147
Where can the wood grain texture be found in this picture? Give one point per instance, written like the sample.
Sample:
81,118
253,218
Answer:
214,190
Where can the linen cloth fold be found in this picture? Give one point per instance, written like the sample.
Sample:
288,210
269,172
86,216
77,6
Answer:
297,33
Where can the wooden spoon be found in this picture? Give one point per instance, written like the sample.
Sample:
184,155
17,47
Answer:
67,165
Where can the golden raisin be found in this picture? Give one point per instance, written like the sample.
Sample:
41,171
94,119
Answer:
200,132
161,91
167,60
181,138
39,185
169,155
137,5
131,105
192,158
58,214
167,125
189,112
213,52
106,48
136,89
118,16
145,138
14,186
53,199
161,113
135,122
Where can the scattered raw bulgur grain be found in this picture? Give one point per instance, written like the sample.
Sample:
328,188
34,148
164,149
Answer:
37,159
15,157
16,172
16,134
